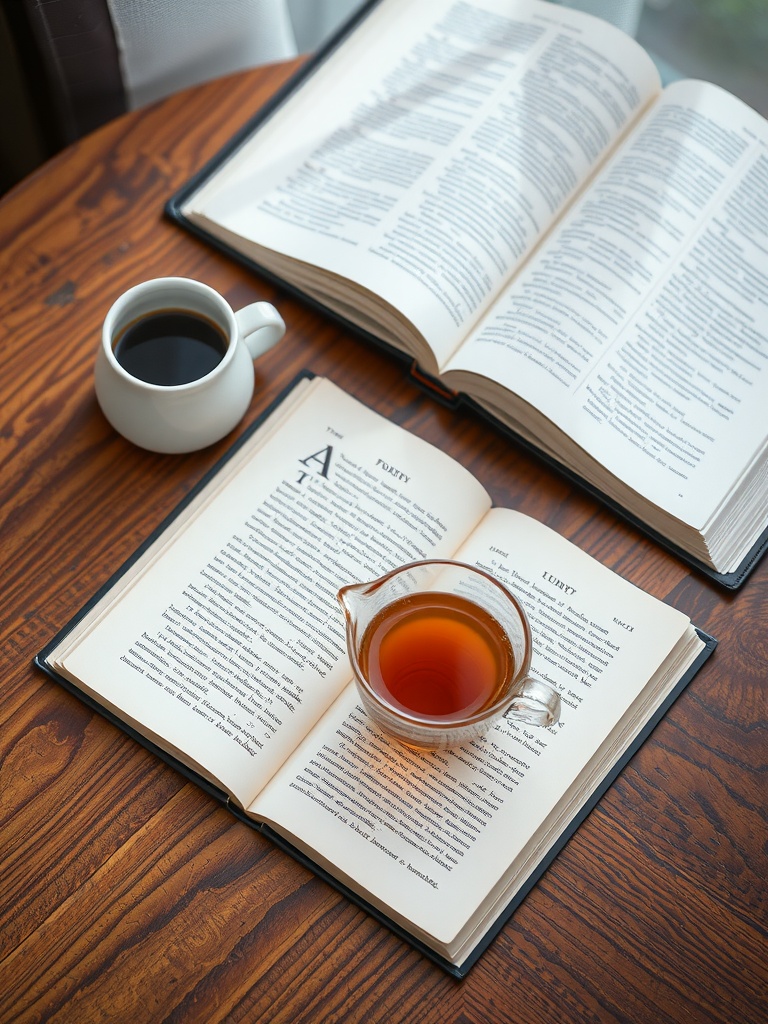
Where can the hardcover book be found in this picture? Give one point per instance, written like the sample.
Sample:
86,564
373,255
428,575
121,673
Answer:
221,647
501,193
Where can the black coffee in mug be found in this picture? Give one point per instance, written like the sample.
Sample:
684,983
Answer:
170,347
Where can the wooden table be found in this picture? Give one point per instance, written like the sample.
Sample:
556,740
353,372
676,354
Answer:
126,894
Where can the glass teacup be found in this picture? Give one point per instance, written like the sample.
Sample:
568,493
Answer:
440,650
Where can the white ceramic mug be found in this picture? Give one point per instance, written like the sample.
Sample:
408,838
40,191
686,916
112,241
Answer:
183,417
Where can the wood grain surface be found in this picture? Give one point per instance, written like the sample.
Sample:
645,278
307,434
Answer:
127,894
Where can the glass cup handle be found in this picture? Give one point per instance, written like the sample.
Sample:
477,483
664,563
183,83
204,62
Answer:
535,703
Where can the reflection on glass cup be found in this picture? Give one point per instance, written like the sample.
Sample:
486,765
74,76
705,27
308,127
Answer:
440,650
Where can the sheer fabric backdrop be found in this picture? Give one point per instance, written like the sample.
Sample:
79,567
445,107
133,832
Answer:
166,45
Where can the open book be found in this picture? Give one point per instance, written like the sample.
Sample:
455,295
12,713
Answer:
501,191
222,646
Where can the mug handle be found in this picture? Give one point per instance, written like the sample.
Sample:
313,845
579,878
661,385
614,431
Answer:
535,703
260,326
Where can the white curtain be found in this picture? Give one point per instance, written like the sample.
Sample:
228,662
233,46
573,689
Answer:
166,45
314,20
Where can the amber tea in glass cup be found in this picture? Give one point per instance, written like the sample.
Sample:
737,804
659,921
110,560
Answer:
440,650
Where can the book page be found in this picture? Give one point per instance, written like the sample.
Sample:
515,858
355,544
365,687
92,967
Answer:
641,329
430,153
438,838
230,644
